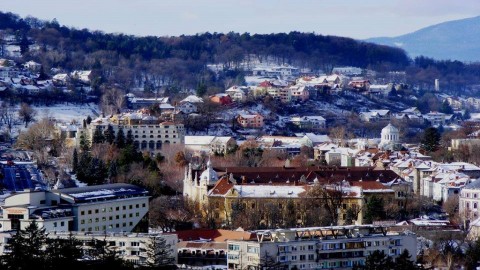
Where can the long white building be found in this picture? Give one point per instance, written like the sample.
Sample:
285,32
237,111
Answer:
148,132
336,247
131,247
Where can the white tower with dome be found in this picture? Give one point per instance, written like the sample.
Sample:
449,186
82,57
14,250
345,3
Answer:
390,137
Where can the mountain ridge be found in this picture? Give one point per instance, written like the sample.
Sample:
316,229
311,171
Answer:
451,40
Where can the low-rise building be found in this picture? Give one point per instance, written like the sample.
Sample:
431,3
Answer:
308,122
250,120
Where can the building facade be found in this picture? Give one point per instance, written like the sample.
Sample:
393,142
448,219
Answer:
149,133
111,208
334,247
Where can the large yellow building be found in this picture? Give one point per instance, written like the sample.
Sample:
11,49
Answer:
287,196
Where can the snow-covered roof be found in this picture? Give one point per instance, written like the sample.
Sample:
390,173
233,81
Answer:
199,140
192,99
269,191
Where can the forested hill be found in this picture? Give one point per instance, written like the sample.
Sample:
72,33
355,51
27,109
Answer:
183,58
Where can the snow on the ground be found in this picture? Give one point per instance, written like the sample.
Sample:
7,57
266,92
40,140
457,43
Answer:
66,113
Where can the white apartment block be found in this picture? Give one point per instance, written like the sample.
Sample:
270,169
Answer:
337,247
101,208
148,132
469,201
131,247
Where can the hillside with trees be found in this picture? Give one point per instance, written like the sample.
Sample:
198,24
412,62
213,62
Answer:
181,61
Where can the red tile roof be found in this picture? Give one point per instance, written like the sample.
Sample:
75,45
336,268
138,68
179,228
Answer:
214,235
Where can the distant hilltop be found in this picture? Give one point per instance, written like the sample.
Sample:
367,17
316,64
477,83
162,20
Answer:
453,40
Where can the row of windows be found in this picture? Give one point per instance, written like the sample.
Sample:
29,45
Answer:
91,220
62,223
110,209
104,227
158,136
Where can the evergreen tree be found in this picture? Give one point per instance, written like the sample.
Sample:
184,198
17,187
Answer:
375,210
446,108
96,172
112,170
75,161
129,140
472,255
64,253
404,262
109,134
84,143
120,139
378,260
431,139
88,120
98,136
26,249
83,165
159,254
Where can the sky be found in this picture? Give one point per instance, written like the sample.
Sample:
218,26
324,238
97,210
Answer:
358,19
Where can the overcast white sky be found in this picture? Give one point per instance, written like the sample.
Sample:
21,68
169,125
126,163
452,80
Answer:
351,18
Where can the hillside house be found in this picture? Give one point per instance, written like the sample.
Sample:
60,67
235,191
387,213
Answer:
222,99
250,120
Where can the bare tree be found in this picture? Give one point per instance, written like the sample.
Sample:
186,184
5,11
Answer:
26,113
7,116
112,101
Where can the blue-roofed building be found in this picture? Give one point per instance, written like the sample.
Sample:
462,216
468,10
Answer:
101,208
16,177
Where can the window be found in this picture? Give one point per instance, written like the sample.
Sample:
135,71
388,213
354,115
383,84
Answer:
311,257
130,215
143,205
122,244
82,213
135,244
117,208
82,221
130,206
89,212
293,258
110,218
54,224
62,223
124,207
97,219
303,257
104,218
233,247
137,214
117,217
96,211
137,206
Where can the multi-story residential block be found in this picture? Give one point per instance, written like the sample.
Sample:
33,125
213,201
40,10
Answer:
148,132
111,207
250,120
469,201
131,247
334,247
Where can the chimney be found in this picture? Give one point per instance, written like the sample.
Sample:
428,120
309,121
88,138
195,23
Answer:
244,179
